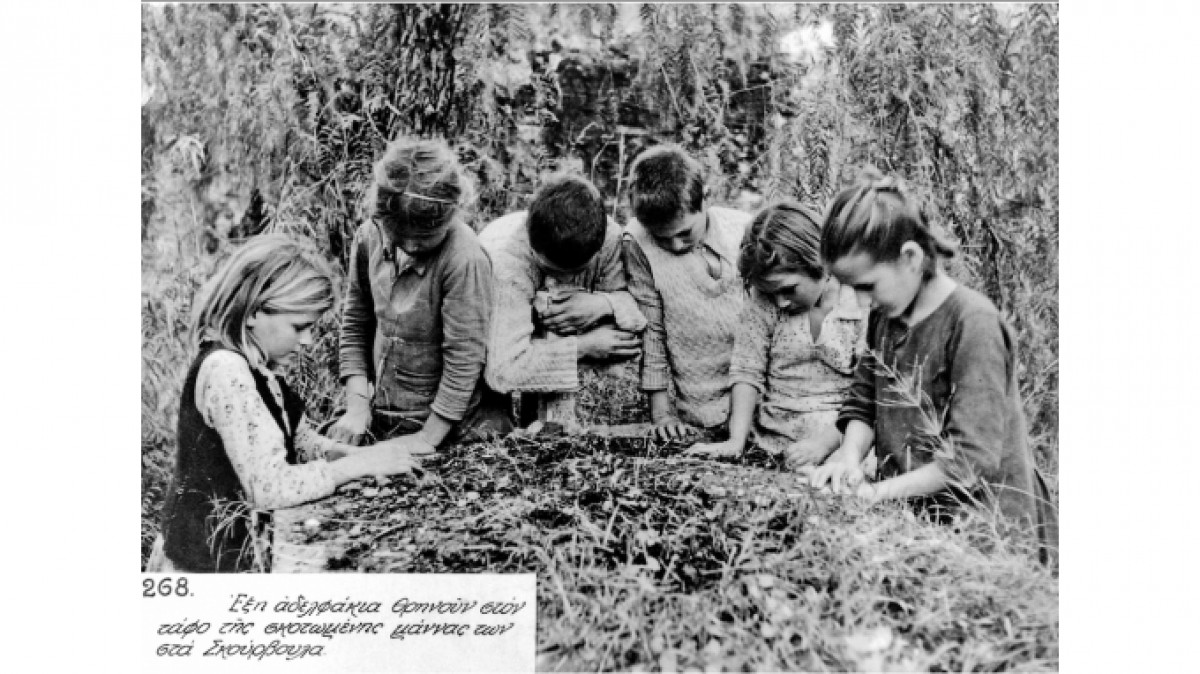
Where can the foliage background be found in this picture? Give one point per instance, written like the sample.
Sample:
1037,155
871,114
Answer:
269,117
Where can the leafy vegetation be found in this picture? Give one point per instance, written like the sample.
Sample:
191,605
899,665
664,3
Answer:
269,117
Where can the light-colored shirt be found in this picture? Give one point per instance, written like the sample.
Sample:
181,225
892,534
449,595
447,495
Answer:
802,382
229,402
517,359
691,316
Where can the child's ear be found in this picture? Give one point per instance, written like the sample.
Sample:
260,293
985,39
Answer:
912,254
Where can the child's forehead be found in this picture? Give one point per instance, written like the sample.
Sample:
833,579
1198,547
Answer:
778,279
854,265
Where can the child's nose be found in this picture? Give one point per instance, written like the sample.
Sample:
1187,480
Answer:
306,337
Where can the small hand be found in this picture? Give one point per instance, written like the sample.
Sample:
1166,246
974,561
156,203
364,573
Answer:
608,342
868,492
388,459
671,428
351,427
414,444
804,453
840,476
716,449
573,312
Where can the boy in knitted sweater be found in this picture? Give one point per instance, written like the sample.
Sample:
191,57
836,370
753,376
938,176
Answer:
681,258
560,291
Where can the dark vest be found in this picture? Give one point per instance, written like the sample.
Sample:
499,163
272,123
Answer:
199,535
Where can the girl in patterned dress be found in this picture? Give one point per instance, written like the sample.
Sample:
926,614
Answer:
795,348
245,446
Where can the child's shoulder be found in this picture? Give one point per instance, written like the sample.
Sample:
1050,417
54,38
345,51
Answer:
730,216
463,244
968,303
504,230
221,364
367,233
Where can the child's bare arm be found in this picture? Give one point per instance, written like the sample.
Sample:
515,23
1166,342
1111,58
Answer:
741,414
927,479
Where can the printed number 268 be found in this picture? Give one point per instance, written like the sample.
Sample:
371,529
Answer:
165,587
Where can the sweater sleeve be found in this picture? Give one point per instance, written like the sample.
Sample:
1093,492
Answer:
656,373
980,375
860,399
466,311
358,316
753,343
230,404
516,360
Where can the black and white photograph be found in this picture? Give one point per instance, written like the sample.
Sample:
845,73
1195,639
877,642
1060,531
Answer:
737,324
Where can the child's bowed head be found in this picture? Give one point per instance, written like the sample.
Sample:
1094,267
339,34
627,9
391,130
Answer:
418,191
667,197
271,274
566,222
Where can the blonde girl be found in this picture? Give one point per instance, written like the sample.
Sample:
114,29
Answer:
936,395
796,342
243,440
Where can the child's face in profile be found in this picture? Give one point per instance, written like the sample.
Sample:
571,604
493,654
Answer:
281,335
891,286
682,234
792,292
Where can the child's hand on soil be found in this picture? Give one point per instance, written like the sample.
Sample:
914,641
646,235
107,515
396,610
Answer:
715,449
351,427
381,459
804,453
868,492
671,428
573,313
413,444
839,477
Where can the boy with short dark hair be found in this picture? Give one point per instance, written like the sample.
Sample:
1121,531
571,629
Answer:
560,291
681,259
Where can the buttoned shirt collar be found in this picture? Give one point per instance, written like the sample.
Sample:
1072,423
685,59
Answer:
404,262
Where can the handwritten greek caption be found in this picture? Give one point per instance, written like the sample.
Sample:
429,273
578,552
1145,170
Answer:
256,624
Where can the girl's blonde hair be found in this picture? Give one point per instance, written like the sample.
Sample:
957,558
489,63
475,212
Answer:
271,273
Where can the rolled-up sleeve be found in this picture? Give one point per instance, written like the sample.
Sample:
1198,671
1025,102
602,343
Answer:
466,313
860,399
357,332
516,361
656,371
753,342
